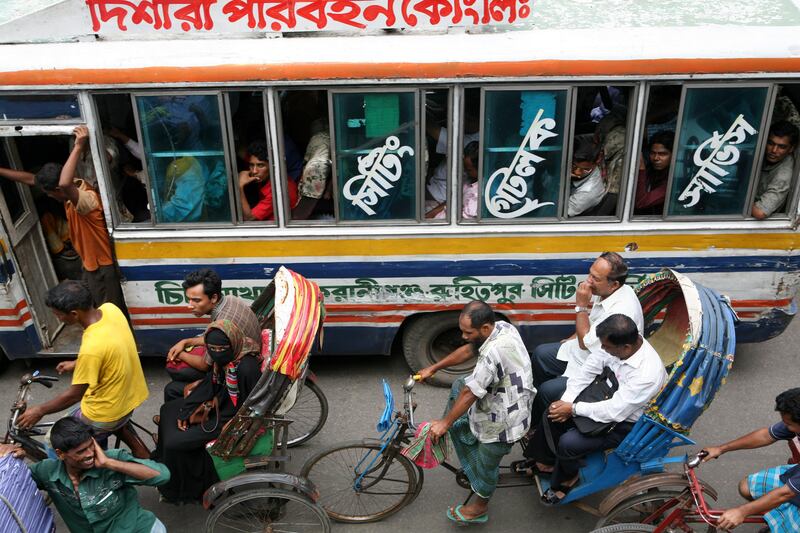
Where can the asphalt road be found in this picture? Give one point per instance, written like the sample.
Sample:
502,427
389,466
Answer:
352,386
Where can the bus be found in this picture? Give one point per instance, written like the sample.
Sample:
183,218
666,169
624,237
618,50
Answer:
419,156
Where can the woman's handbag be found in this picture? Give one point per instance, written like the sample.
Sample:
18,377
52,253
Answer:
602,388
204,412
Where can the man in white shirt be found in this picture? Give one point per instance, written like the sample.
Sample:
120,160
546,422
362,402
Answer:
553,363
640,374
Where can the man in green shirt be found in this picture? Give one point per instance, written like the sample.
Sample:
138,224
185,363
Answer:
94,490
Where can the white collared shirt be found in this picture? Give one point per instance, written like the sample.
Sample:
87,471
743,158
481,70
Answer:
640,378
622,301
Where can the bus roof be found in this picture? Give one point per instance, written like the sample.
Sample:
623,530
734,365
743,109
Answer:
563,38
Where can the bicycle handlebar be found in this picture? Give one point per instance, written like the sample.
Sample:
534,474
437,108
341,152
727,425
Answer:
47,381
695,461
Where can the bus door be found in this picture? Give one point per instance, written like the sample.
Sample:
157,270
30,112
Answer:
33,273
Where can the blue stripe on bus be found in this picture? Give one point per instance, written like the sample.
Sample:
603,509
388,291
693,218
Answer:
482,267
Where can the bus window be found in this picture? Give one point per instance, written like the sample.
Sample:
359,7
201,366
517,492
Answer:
306,145
716,149
437,161
521,167
253,157
778,169
185,157
598,150
40,107
128,185
655,159
376,154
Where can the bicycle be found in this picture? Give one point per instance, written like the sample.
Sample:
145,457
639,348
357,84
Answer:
368,480
667,511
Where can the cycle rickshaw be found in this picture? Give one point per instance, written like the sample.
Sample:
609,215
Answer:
690,326
254,494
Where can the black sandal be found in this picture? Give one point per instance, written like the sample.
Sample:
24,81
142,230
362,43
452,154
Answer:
551,499
527,467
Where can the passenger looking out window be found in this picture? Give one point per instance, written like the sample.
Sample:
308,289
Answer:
776,170
651,185
469,188
587,188
258,176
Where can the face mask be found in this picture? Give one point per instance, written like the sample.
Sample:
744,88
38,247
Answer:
219,347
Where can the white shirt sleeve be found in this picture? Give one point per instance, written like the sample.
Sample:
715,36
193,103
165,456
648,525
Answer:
592,367
135,149
441,142
588,195
632,395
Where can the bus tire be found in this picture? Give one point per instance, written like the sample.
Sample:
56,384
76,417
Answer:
431,337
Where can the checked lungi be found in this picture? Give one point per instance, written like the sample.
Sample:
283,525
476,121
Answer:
480,461
786,517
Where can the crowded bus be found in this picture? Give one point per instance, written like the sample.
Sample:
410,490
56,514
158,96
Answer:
406,169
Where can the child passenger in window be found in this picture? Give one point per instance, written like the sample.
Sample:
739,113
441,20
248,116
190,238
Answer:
587,187
261,206
651,185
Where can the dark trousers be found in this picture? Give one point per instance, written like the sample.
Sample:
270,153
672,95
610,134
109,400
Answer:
545,365
571,445
546,393
104,285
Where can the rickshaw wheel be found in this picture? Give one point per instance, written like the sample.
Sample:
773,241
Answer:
626,528
308,414
266,510
638,507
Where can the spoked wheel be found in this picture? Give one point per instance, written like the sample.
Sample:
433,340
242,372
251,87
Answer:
308,414
357,483
650,507
626,528
267,511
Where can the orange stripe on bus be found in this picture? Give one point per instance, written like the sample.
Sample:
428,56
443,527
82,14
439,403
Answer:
168,321
22,304
16,321
398,70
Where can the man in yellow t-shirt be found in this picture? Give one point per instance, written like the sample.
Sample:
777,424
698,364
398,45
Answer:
108,379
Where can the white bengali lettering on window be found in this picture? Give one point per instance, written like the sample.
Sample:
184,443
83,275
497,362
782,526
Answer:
721,152
378,171
509,199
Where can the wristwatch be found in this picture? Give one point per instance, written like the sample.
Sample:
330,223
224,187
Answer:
581,309
573,407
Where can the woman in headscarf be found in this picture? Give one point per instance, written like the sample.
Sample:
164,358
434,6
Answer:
181,441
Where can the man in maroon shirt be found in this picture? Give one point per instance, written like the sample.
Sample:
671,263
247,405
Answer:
651,186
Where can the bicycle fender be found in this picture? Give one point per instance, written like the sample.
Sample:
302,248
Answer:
254,479
637,485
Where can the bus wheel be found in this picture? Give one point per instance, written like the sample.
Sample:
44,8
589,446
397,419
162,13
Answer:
431,337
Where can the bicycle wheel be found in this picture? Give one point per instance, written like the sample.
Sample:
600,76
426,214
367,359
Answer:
267,509
641,506
626,528
308,414
357,483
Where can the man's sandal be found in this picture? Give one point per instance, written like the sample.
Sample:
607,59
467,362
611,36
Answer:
551,499
527,467
454,514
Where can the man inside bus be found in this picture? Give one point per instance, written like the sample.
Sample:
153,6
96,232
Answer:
489,410
87,226
640,375
587,187
776,171
554,363
437,183
203,289
314,186
651,185
469,188
108,380
259,206
775,491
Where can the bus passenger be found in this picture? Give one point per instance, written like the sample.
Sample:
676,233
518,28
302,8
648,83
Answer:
185,426
203,289
108,380
469,189
258,160
314,187
87,224
640,375
587,187
437,183
489,410
776,172
775,491
651,185
606,281
105,482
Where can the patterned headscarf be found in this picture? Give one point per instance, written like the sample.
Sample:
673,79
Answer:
241,347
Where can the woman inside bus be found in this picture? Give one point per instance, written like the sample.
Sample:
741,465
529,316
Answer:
651,186
184,429
587,187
